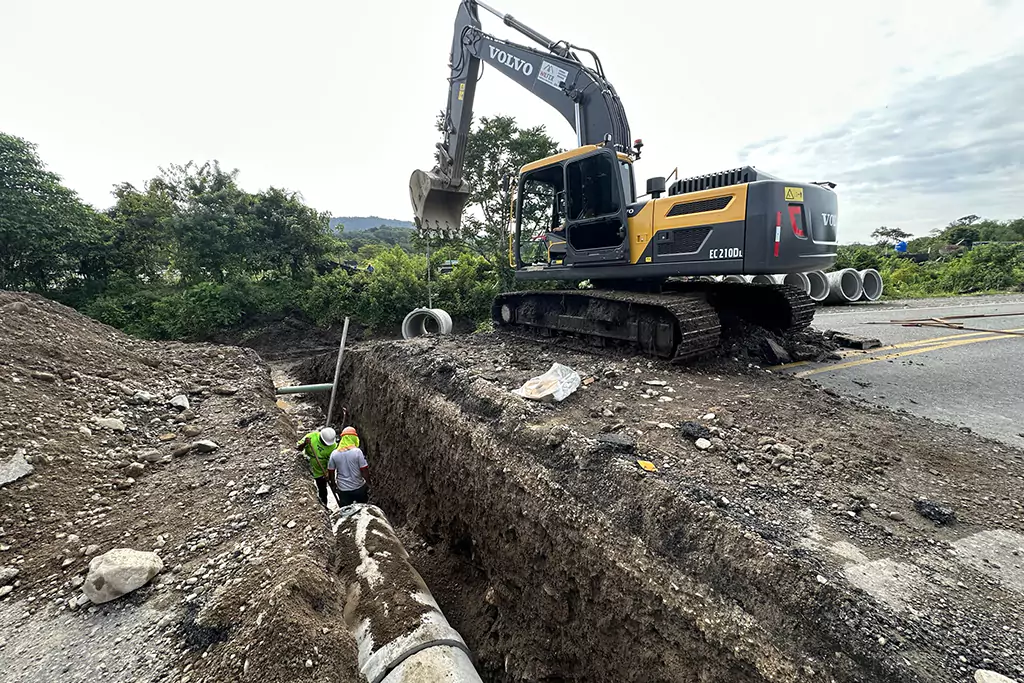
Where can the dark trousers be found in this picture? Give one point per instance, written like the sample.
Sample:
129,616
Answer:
360,495
321,488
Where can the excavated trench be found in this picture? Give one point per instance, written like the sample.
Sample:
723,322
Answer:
556,560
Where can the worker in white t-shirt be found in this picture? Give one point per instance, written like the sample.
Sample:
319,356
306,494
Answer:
349,469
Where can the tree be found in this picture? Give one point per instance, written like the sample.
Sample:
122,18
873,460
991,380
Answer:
890,236
496,147
43,224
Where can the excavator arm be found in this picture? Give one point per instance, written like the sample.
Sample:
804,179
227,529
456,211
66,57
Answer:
555,73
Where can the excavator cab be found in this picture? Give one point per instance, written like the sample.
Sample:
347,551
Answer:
571,210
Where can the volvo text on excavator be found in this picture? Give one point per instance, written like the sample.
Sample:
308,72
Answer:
577,216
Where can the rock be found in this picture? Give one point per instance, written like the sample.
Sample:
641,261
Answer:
111,423
782,449
702,444
986,676
151,455
144,397
124,484
169,436
192,431
852,341
8,575
263,490
615,442
67,563
290,524
18,307
781,460
180,402
742,468
205,446
656,382
765,441
181,450
801,352
774,353
708,417
44,376
823,459
895,516
15,467
225,390
694,430
4,590
85,430
134,470
77,581
118,572
936,512
91,549
72,539
161,541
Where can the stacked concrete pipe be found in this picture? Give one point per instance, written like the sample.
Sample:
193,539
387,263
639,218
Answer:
762,280
386,595
798,280
819,285
845,286
871,281
734,278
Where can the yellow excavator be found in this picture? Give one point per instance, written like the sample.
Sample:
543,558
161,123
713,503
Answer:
577,216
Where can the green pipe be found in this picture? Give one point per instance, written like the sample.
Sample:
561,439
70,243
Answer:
304,389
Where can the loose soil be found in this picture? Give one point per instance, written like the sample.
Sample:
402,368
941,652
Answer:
245,593
791,549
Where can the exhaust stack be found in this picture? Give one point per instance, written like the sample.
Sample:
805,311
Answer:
437,205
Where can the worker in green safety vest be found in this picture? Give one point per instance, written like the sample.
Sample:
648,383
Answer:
318,446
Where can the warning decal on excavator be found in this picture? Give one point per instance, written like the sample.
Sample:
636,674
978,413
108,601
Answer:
794,194
552,75
462,91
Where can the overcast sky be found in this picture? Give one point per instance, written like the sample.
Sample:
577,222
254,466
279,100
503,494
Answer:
915,108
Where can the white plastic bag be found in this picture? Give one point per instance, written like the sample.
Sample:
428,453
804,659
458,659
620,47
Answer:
554,385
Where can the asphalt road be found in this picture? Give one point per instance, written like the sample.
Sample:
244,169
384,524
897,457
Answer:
964,378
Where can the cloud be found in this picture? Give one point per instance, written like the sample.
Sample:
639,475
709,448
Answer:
941,148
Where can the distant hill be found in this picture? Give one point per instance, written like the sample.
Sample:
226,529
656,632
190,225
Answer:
360,223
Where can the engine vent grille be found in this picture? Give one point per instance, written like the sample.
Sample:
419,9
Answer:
681,241
700,206
736,176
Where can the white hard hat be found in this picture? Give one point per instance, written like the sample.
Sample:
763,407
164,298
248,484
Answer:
328,435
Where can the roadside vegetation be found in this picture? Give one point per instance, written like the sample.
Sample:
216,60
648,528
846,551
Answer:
189,254
969,256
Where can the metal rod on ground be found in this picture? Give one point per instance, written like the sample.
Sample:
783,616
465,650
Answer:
337,372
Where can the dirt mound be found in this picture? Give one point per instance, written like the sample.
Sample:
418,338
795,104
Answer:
116,459
785,547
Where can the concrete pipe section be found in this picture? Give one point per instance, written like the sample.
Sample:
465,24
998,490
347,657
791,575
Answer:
401,633
871,279
762,280
798,280
426,321
733,278
819,286
845,286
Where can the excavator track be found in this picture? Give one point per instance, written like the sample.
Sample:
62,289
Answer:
779,308
682,323
677,327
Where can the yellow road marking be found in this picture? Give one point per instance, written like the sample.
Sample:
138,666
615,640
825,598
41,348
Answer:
899,354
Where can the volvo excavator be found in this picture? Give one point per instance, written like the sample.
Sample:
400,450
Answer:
576,217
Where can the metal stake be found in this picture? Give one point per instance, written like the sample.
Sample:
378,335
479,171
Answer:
337,372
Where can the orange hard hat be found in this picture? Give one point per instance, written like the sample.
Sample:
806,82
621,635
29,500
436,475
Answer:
349,431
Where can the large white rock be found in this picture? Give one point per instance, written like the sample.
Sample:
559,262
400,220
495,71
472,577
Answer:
180,401
110,423
986,676
118,572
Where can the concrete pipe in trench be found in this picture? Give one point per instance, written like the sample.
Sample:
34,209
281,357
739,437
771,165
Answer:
426,321
798,280
872,281
819,285
401,633
845,286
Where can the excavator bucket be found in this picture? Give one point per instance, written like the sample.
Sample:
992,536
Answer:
437,206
